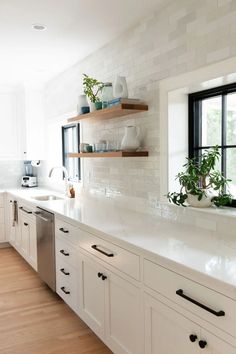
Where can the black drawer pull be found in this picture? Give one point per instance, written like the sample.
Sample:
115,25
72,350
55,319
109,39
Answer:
63,230
193,338
25,223
104,277
65,291
180,292
26,211
99,275
95,247
64,272
202,344
64,253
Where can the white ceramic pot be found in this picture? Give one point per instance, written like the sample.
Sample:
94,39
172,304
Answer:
82,102
205,202
92,106
130,141
120,89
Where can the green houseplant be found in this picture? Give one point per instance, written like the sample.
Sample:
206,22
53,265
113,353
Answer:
92,88
202,185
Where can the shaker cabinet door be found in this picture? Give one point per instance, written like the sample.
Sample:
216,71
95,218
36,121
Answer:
123,307
167,331
91,299
215,345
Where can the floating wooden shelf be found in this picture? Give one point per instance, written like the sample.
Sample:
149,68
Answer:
116,111
110,154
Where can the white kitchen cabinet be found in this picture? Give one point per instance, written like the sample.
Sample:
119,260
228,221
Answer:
123,309
34,143
111,306
26,238
169,332
215,345
9,134
92,295
22,116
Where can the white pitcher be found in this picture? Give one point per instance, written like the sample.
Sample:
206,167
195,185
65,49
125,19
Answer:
130,141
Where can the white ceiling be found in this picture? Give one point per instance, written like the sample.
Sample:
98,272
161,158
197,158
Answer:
75,28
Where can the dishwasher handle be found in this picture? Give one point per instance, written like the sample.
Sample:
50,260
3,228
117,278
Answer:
38,215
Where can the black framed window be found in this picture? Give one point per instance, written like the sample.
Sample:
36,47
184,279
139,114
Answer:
70,143
212,121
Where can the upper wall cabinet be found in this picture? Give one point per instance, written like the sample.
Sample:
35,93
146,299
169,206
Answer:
33,148
22,124
10,126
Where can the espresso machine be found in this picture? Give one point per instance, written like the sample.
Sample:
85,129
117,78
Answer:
28,180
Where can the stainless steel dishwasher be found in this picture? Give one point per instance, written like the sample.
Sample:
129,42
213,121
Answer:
46,247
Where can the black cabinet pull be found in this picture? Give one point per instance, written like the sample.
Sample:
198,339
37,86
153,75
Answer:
64,272
63,230
193,338
180,293
25,223
202,344
65,291
64,253
101,275
26,211
95,247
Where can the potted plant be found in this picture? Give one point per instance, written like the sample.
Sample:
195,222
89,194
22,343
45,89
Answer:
92,88
202,185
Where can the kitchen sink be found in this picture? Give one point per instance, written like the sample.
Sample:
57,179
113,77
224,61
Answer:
45,198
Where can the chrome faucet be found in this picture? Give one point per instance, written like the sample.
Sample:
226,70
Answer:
66,178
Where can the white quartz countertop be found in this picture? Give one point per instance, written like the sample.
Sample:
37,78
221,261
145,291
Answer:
188,250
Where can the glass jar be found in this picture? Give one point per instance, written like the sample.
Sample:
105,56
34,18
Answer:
107,94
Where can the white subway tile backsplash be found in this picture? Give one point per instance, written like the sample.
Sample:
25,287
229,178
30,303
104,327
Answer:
178,37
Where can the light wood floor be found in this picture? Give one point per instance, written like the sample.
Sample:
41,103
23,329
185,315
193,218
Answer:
33,320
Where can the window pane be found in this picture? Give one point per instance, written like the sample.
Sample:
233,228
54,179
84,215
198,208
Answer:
211,121
231,119
71,145
231,169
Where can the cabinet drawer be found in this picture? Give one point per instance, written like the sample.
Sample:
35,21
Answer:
65,271
116,256
27,211
192,296
67,291
66,252
68,232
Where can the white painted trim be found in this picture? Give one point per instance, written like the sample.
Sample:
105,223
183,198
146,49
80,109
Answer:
207,77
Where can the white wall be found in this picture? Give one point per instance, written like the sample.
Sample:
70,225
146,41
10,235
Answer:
181,36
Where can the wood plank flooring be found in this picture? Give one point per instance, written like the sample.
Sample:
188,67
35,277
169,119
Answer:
34,320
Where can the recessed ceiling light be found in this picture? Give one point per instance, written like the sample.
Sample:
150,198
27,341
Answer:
39,27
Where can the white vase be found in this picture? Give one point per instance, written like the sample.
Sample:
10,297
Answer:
205,202
120,89
92,106
82,102
130,141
